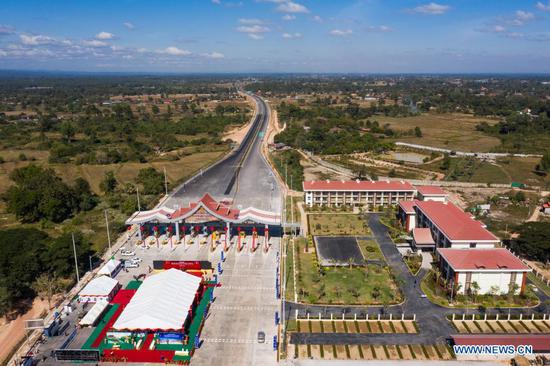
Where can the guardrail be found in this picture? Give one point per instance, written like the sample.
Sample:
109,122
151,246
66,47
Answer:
354,317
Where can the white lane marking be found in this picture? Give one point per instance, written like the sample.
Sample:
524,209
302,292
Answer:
247,288
229,340
244,307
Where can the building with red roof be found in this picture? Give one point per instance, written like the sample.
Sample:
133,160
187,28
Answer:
452,227
494,270
355,193
422,238
431,193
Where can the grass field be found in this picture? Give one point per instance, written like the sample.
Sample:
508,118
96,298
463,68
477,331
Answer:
342,285
450,131
337,224
371,250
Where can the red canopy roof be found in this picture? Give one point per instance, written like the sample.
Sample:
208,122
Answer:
422,235
482,259
453,222
408,206
356,185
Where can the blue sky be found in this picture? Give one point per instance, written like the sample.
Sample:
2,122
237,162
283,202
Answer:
371,36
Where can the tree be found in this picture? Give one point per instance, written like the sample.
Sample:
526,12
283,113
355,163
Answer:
474,289
151,180
532,241
359,171
84,195
38,194
544,165
109,182
21,261
494,290
46,286
60,254
417,131
67,130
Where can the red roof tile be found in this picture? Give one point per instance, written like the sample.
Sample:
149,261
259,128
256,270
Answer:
356,185
422,235
453,222
431,191
540,342
482,259
408,206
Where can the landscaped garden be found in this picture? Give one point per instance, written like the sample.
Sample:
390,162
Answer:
371,250
413,261
434,287
337,224
373,284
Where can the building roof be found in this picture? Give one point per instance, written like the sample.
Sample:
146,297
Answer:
431,191
540,342
422,235
356,185
456,224
99,286
408,206
162,302
482,259
109,267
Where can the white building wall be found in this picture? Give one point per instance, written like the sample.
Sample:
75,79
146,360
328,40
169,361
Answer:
412,222
309,198
460,245
486,280
433,198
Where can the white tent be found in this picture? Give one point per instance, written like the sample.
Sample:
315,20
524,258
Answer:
101,288
110,268
162,302
95,312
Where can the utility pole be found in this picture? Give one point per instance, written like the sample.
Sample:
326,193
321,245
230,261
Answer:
137,192
108,233
165,182
292,210
75,261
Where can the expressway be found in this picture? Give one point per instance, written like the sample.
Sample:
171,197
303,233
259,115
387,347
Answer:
242,176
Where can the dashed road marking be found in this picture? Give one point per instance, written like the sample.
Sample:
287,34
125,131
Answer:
247,288
244,307
229,340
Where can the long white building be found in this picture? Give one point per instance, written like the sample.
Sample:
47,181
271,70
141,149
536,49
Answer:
357,193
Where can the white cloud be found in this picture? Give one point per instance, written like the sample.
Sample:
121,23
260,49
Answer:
217,2
341,32
292,7
255,36
94,43
543,7
104,35
292,35
250,21
6,30
318,19
214,55
380,29
499,29
175,51
252,29
36,40
522,17
432,9
288,17
129,25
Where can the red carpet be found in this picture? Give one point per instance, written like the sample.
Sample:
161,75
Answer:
137,356
123,297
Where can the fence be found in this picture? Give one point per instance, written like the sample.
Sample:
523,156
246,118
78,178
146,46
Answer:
355,317
497,317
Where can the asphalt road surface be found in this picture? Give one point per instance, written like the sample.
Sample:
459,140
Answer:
243,175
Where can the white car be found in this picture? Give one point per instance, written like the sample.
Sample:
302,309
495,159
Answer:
130,264
136,260
127,253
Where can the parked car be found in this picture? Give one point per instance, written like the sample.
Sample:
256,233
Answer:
130,264
261,337
136,260
127,253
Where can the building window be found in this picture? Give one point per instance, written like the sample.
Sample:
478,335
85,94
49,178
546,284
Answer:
473,245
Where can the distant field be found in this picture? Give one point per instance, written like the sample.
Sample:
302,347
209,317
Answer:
450,131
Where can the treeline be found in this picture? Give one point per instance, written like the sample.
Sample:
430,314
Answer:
288,165
327,130
33,263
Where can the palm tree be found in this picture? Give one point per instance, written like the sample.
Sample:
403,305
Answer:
474,288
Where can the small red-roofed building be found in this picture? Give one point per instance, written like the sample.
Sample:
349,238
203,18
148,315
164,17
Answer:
452,227
496,270
407,214
357,193
422,239
431,193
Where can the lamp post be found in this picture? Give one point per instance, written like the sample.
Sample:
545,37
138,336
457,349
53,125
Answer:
75,260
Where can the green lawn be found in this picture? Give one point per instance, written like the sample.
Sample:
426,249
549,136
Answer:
337,224
371,250
342,285
541,285
437,295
